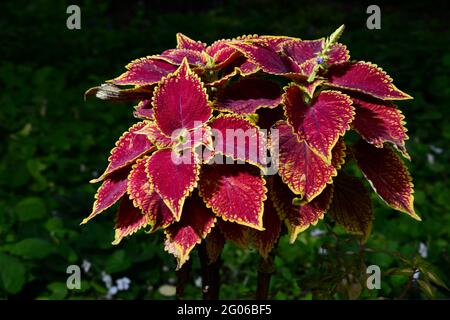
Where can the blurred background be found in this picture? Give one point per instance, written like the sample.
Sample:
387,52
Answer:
53,142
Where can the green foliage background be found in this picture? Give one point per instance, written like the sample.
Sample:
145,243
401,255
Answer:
53,143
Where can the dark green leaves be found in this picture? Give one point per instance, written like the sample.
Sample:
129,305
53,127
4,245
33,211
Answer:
117,262
29,209
32,248
12,274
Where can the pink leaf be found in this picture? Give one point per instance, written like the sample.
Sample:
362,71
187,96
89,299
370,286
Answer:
144,71
321,121
388,176
129,220
112,189
307,214
267,59
144,197
176,56
300,168
248,95
366,78
129,147
154,134
235,193
180,101
379,121
171,180
144,110
184,42
195,225
239,139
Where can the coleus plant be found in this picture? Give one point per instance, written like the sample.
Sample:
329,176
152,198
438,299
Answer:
242,138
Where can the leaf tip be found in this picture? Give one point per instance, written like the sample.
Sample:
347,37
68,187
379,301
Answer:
334,37
96,180
414,215
117,239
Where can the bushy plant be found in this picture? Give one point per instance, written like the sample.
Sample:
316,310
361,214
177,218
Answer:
243,137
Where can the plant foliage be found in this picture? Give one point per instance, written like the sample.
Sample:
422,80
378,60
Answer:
213,118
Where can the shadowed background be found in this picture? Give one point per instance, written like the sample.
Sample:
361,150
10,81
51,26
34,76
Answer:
53,143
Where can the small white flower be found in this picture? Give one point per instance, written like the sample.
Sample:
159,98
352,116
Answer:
322,251
123,283
436,150
430,158
317,232
112,291
416,275
198,282
423,250
107,280
86,265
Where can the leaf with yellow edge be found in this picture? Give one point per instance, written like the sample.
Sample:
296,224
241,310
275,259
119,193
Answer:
387,175
365,77
307,214
112,189
144,110
195,224
172,178
319,122
266,58
144,71
235,193
184,42
144,197
300,168
339,154
155,135
248,95
239,139
129,147
180,101
129,220
379,121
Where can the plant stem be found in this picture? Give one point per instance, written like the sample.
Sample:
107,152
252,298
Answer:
210,274
265,270
182,279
